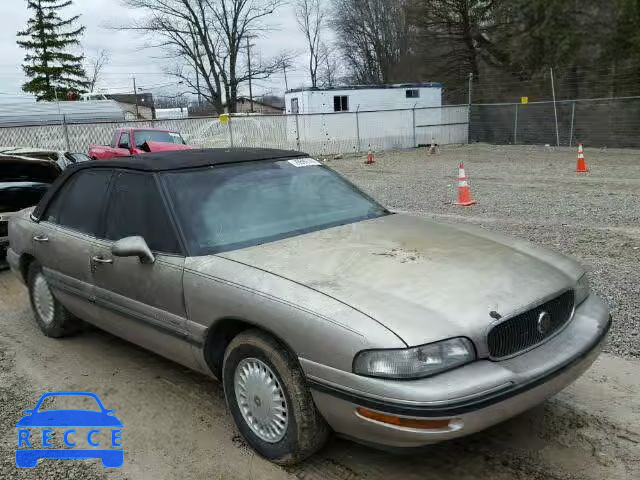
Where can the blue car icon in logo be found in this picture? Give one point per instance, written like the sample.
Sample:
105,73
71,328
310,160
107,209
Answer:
27,456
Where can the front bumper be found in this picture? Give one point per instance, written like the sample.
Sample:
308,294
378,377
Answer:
473,397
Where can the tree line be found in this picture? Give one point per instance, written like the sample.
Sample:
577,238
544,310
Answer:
497,49
506,47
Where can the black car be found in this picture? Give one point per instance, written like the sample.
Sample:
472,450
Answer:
23,182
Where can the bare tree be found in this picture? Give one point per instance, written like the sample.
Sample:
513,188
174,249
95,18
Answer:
96,66
310,16
460,34
207,37
330,66
373,36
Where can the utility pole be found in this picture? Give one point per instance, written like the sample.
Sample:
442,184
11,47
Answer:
197,52
469,108
555,109
135,94
249,65
286,83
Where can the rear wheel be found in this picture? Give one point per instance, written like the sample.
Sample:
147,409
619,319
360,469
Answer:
53,319
268,397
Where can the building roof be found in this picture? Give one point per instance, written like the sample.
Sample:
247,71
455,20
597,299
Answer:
43,113
176,160
368,87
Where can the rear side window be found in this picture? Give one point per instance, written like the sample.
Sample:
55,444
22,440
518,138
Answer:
78,205
136,208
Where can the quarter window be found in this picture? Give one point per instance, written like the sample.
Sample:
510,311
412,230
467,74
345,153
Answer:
340,103
136,208
78,205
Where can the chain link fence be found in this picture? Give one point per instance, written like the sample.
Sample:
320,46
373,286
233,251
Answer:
607,122
603,122
318,134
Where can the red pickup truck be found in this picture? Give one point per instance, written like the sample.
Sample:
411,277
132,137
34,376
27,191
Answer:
134,141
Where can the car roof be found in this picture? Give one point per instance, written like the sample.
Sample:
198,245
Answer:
177,160
170,161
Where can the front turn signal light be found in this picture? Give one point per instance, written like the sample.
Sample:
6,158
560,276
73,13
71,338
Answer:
417,423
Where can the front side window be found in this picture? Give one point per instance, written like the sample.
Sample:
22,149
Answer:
229,207
78,204
135,207
124,141
340,103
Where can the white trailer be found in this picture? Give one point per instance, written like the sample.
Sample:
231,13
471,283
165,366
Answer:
363,98
377,117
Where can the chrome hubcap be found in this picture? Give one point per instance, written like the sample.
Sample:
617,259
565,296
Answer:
261,400
43,299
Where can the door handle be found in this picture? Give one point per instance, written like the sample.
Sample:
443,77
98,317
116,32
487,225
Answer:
101,260
41,238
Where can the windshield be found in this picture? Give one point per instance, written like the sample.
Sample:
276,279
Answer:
229,207
143,136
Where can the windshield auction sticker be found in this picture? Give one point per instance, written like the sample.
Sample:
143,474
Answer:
304,162
54,430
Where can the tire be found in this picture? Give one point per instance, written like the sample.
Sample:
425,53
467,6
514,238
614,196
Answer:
57,321
306,431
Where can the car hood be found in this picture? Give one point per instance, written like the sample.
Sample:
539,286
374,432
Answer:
423,280
165,147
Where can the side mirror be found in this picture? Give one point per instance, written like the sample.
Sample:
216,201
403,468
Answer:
133,247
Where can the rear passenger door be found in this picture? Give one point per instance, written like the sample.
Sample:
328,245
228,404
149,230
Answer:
66,235
141,302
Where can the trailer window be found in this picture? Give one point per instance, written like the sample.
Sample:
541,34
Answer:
294,105
413,93
341,103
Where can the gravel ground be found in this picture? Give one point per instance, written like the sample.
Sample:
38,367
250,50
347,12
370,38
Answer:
176,422
176,425
533,193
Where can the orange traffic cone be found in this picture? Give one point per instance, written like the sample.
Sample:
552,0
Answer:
370,158
464,194
581,166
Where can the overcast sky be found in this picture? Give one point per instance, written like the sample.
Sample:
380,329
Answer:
128,55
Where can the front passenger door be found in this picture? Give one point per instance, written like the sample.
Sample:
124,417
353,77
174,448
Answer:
65,236
142,303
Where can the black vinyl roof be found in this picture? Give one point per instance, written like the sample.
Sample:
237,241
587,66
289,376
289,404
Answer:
165,161
180,159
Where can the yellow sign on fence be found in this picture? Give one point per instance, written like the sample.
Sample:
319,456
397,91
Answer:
224,118
524,99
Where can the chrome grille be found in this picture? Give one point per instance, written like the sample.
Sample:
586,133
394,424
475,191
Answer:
527,329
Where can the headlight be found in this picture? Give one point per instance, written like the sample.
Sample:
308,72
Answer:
415,362
582,289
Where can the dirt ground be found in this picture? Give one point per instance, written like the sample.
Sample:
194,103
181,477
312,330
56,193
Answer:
175,422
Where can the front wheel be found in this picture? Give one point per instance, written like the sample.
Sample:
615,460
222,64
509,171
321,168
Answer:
268,397
53,319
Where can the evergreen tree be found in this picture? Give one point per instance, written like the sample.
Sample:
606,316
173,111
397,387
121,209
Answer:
48,64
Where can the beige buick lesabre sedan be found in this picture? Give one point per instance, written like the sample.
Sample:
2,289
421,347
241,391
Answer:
317,308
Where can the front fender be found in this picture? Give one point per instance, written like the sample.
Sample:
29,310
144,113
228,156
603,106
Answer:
315,326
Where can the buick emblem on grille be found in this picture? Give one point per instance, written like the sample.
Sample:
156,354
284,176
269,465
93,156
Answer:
544,322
